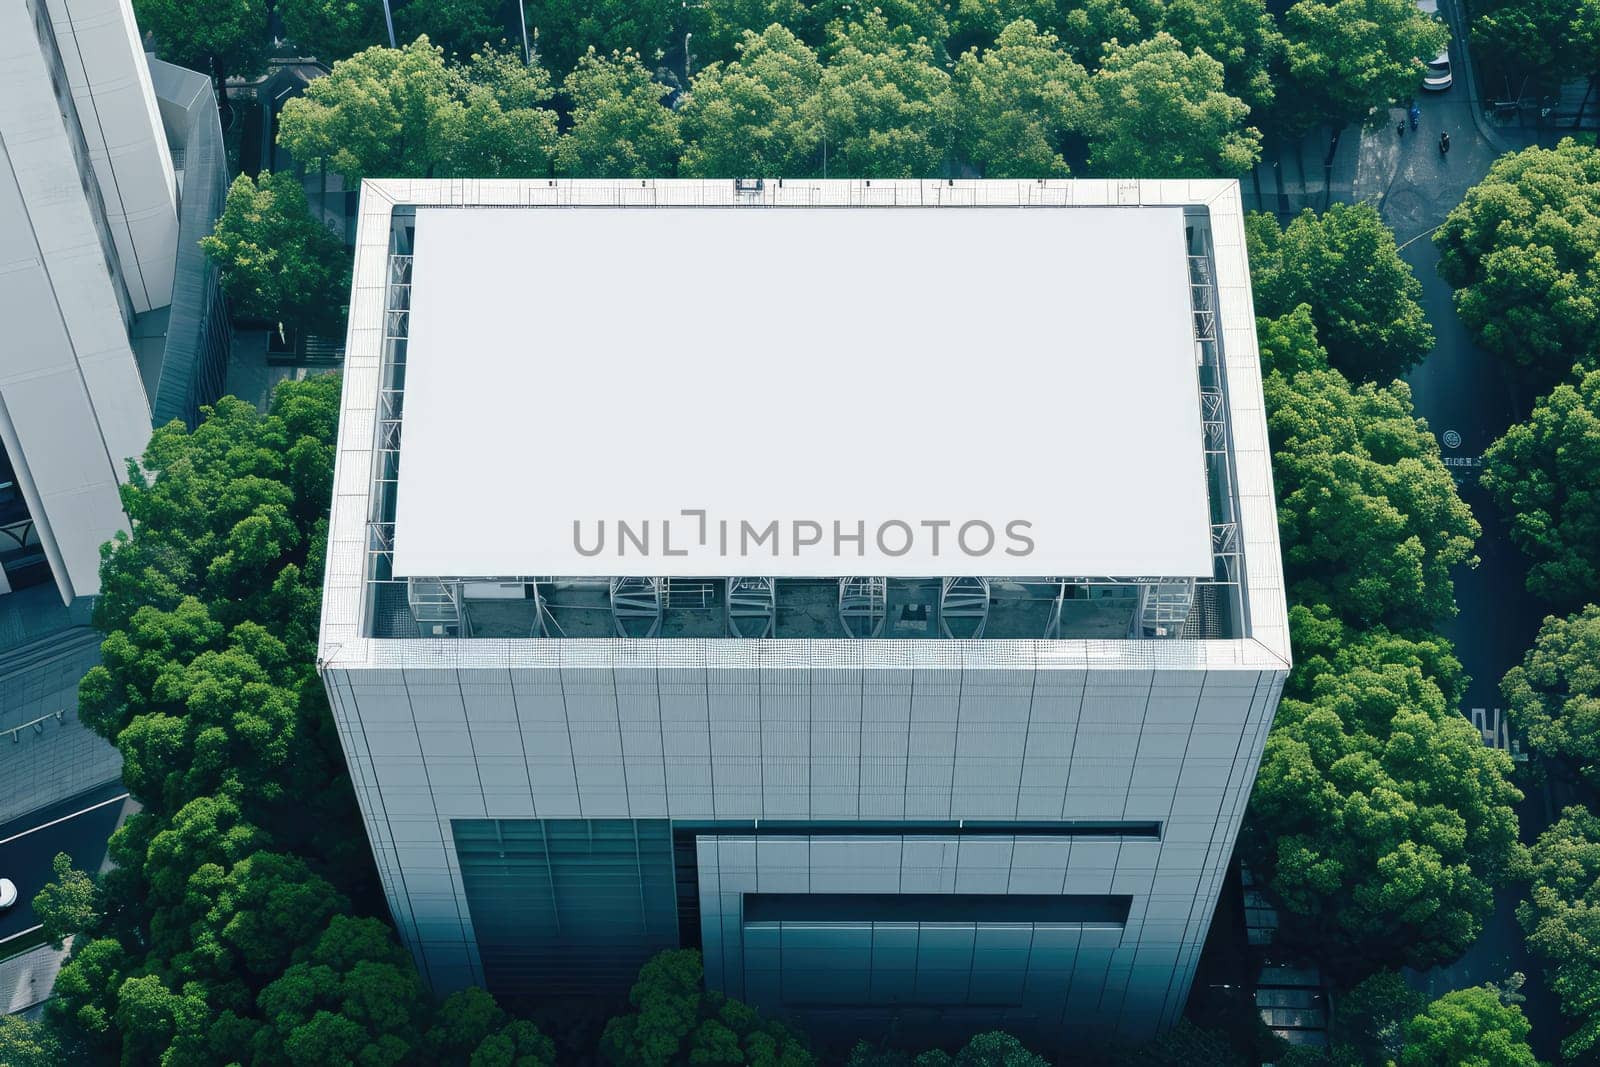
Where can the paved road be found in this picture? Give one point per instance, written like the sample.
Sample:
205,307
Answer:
78,826
1468,399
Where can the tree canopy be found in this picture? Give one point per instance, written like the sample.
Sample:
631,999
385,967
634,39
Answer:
677,1020
755,116
619,127
1544,476
1370,520
1554,695
223,38
1561,917
1368,1024
1346,57
406,113
1468,1028
886,106
333,29
1155,110
1239,34
1522,250
1379,818
1344,266
458,26
1016,101
276,262
564,29
1551,40
222,931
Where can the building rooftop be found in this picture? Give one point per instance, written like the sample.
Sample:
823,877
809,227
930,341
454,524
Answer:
905,392
616,411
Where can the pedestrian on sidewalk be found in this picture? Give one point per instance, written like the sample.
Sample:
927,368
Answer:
1400,130
1444,145
1415,114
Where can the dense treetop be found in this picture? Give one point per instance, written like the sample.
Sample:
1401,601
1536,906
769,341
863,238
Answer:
1157,110
1544,475
278,263
1522,250
1344,267
1379,818
1561,917
223,931
755,114
1468,1028
407,113
677,1020
1554,695
1370,520
1345,57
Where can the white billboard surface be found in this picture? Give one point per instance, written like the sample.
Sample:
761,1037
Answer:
807,392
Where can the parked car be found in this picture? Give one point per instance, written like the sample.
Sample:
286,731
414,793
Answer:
1436,76
8,893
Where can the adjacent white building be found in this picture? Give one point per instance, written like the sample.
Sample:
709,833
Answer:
93,215
872,584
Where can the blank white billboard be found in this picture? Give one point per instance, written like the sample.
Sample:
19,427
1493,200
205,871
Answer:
687,391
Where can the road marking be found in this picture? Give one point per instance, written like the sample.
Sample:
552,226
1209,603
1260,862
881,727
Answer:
1452,439
64,818
22,933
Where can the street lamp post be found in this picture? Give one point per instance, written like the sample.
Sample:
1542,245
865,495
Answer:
522,20
388,20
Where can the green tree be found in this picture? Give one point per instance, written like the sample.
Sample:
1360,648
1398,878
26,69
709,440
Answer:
719,26
406,113
1561,917
1346,57
219,933
755,116
564,29
470,1028
1542,475
1379,819
458,26
333,29
1239,34
1554,696
1289,343
1370,520
1552,40
224,37
1154,110
1468,1028
886,108
1522,250
1015,103
993,1048
976,23
620,128
1089,28
277,262
353,996
68,904
677,1020
24,1043
1368,1025
1343,265
506,129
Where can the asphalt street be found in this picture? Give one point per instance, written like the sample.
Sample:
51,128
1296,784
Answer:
1468,398
78,826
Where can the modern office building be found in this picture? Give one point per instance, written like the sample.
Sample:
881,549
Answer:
874,585
111,169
